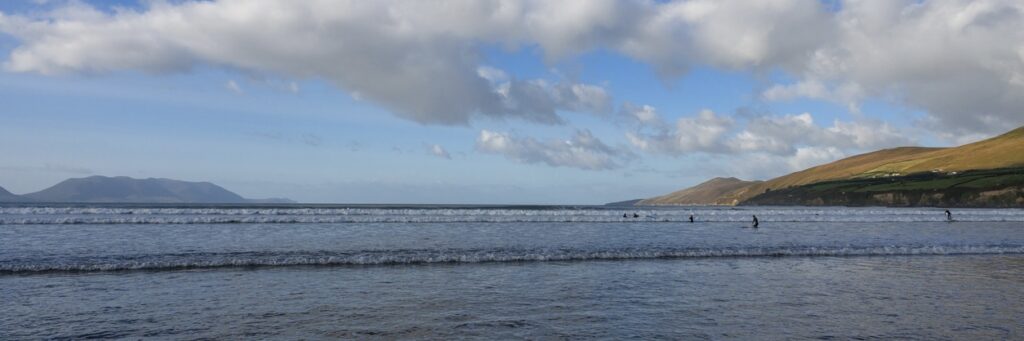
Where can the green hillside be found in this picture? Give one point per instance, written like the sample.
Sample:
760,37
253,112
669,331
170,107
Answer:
1001,152
979,188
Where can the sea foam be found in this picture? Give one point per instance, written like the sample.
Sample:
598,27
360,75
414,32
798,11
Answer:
305,215
184,261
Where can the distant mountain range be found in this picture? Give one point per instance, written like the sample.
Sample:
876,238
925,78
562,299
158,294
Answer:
122,189
988,173
6,196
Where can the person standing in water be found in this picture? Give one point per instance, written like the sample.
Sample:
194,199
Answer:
691,218
755,222
949,216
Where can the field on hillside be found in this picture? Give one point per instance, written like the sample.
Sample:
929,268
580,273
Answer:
984,188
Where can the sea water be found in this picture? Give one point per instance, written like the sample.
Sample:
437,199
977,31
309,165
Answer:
443,272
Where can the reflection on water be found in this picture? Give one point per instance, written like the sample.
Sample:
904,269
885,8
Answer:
958,297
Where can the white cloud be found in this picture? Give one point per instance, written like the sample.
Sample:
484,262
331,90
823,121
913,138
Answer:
419,60
493,75
232,86
587,98
774,134
784,134
643,114
960,61
731,34
848,93
806,157
438,151
765,166
701,133
582,150
538,100
796,138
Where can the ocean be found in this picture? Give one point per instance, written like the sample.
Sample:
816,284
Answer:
508,272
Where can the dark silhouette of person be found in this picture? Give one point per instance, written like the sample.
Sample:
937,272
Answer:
691,218
755,222
949,216
636,215
625,215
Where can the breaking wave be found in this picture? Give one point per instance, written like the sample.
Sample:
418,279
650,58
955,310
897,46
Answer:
314,215
185,261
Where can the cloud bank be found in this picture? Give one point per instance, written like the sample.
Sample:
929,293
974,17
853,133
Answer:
582,150
959,61
790,142
710,132
962,62
420,60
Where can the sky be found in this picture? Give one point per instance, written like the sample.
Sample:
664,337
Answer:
491,102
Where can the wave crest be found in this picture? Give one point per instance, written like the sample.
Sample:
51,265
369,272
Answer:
43,215
164,262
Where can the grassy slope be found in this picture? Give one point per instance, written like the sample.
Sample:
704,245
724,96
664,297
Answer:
980,188
1004,151
843,169
713,191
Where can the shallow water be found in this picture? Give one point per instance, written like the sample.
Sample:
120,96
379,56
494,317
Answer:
511,273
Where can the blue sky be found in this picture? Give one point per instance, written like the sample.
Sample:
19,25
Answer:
481,102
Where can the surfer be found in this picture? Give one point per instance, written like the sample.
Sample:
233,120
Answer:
636,215
949,216
625,215
755,222
691,218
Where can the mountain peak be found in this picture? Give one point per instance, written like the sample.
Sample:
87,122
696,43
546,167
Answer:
711,192
98,188
722,179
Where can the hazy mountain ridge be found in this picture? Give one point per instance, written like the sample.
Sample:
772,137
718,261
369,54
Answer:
909,166
6,196
717,191
122,189
632,202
